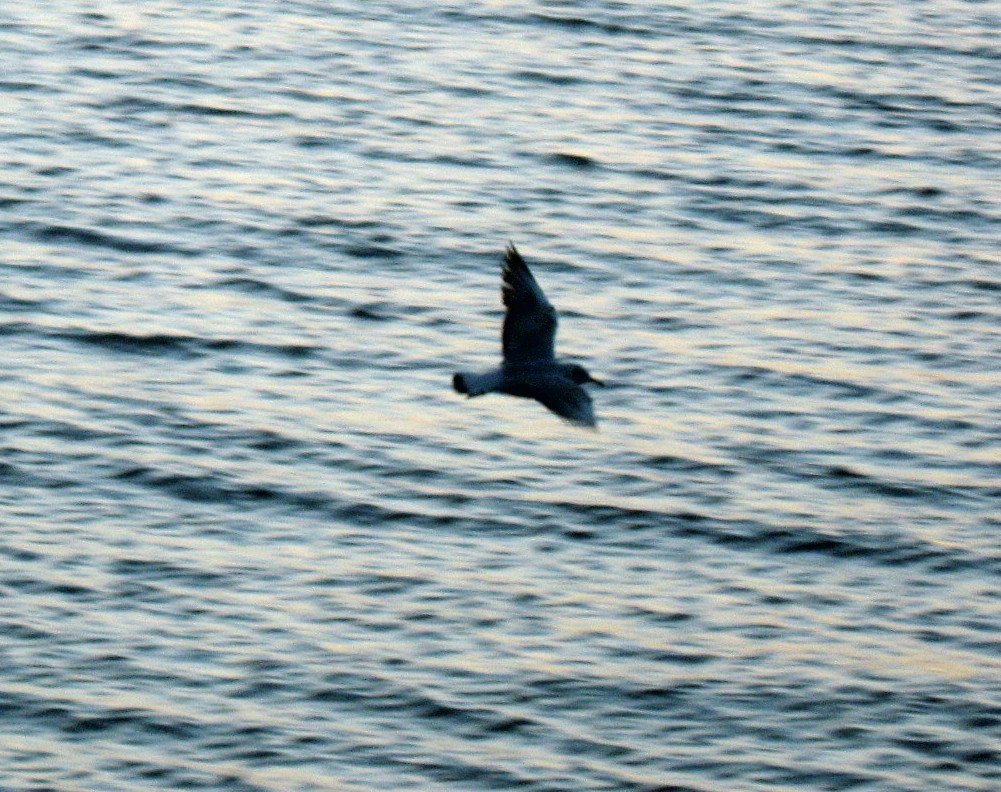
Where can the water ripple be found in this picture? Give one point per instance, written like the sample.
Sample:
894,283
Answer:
252,540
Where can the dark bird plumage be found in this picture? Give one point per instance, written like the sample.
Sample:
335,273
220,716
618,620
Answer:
529,368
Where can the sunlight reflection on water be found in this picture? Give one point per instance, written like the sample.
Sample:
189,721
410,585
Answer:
252,538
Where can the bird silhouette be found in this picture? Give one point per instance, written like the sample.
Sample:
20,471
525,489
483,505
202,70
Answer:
529,368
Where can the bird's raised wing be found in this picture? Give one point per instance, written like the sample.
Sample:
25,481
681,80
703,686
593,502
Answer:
530,323
569,401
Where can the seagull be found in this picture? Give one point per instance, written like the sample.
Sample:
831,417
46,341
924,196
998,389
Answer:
530,368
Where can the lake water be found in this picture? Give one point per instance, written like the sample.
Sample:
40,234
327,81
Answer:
252,540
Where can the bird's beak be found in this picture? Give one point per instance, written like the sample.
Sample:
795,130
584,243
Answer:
597,382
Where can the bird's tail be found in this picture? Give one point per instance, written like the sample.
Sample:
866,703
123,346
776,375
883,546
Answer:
476,384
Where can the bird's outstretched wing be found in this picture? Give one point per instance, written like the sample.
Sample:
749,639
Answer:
530,323
569,401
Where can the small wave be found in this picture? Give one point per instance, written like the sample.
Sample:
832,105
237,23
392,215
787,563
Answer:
315,141
322,221
890,549
148,569
468,91
840,476
919,192
210,488
669,462
92,238
372,312
897,48
152,344
142,104
23,632
372,251
267,440
894,228
12,304
259,287
477,161
96,74
949,216
658,175
195,108
21,85
67,430
179,345
578,161
550,78
582,23
10,473
798,381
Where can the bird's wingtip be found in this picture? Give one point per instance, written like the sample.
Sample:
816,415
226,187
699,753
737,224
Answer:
511,255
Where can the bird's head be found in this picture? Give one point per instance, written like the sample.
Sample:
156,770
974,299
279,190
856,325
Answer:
580,375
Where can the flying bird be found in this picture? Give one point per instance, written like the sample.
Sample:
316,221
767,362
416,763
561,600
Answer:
530,368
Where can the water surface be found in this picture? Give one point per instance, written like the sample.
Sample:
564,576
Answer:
253,541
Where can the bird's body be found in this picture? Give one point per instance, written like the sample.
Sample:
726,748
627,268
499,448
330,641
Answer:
530,368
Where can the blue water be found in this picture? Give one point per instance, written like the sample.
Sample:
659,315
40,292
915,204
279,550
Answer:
251,539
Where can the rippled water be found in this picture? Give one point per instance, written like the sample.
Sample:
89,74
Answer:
253,541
